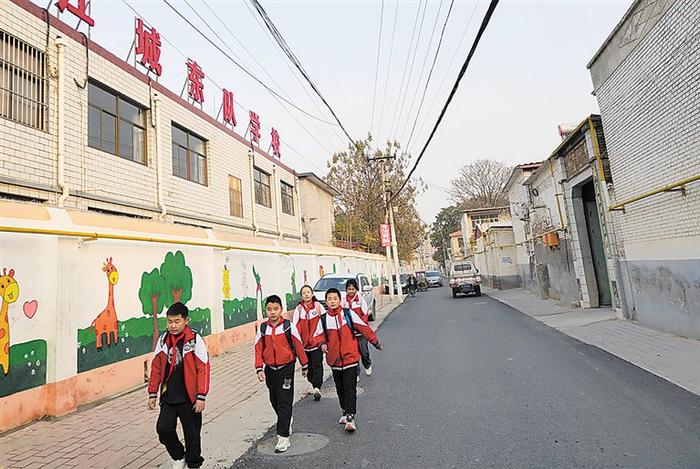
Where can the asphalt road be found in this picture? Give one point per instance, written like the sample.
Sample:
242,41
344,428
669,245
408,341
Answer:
470,382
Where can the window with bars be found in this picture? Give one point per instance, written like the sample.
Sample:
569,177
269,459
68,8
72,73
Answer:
23,94
262,188
189,155
235,196
287,193
116,125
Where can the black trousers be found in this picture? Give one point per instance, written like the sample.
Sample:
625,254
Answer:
191,426
280,383
363,348
315,375
346,387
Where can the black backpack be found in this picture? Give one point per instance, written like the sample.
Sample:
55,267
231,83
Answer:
287,326
348,318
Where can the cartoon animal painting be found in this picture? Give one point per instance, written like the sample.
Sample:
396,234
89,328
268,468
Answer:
227,283
320,271
106,321
9,292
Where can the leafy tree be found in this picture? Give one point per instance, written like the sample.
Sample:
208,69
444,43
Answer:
360,208
446,221
480,184
178,278
153,293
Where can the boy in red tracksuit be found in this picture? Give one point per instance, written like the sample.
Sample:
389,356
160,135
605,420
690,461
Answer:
180,369
305,318
335,333
277,346
355,302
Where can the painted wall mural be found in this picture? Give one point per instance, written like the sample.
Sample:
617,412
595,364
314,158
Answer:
23,365
109,340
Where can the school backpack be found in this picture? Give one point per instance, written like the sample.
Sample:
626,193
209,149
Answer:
287,326
348,319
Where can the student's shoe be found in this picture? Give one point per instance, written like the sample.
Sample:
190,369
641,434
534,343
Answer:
179,464
368,370
317,394
343,420
283,444
350,425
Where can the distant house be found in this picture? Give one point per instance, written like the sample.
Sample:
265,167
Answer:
317,216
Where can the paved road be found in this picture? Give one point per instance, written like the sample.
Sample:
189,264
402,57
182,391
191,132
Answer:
471,382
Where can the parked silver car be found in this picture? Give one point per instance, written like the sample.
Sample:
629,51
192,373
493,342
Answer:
338,281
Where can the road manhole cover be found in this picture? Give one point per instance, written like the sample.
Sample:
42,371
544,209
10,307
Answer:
302,443
329,393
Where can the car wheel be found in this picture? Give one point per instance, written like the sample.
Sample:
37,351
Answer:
454,293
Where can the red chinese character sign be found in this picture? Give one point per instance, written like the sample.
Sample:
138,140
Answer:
148,47
195,77
385,234
254,127
229,113
275,143
80,10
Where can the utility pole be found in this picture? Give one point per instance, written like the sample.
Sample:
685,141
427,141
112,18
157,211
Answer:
389,218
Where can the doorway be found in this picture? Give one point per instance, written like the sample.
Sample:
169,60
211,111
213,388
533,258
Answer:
595,241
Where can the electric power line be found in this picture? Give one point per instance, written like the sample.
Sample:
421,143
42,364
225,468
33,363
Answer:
432,67
245,70
462,71
295,61
376,69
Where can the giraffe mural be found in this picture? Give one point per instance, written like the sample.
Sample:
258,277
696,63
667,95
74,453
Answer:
106,321
9,292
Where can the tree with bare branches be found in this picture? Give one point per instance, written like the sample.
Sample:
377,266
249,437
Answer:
480,184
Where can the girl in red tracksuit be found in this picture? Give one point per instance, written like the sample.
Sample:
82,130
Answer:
305,318
277,346
337,339
355,302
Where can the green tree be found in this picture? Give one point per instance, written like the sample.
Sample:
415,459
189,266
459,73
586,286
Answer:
178,278
446,221
360,209
153,294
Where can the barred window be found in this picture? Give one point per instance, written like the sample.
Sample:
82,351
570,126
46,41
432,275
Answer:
235,196
115,125
23,95
189,155
287,199
262,188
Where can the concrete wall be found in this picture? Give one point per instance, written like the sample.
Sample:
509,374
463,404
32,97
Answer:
98,180
56,361
317,212
651,112
495,259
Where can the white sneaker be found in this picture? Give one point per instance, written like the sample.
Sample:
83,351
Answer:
283,444
343,420
179,464
291,421
368,371
317,394
350,425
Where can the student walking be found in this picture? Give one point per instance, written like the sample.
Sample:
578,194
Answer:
305,318
336,335
277,346
180,369
354,301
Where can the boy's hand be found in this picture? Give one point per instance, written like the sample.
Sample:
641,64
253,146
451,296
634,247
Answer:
261,376
378,346
304,372
324,348
198,406
151,403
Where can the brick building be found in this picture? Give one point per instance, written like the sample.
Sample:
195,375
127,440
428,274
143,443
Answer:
82,129
647,84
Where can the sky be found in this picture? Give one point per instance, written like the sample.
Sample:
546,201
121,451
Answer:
528,74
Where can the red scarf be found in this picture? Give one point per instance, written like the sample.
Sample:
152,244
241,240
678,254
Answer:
173,342
308,306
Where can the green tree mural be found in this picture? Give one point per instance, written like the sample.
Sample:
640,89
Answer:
153,294
178,278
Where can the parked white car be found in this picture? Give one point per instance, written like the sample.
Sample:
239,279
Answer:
338,281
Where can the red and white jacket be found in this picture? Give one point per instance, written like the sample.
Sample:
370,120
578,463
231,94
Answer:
195,362
357,304
306,318
274,351
342,345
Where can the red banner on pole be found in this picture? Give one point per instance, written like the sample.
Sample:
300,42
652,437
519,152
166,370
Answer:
385,234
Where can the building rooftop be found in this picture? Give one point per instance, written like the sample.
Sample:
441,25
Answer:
477,211
456,234
314,179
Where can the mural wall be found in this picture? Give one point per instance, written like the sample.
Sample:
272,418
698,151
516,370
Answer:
69,306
